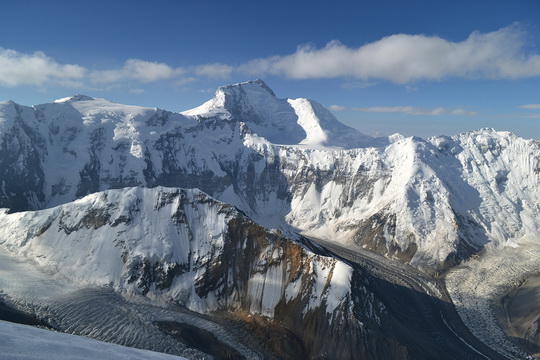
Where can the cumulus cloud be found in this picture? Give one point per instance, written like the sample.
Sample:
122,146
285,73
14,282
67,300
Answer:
400,58
404,58
36,69
411,110
138,70
214,71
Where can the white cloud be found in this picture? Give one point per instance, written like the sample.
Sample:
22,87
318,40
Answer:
37,69
214,71
185,80
462,112
411,110
138,70
337,108
406,58
531,106
399,58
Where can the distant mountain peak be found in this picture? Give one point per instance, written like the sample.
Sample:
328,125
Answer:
244,96
252,85
300,122
233,101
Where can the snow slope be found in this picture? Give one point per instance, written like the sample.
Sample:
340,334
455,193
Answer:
30,343
164,243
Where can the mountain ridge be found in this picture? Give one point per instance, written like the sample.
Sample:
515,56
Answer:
401,198
245,204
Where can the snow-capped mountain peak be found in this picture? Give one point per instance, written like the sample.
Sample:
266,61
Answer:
74,98
227,99
251,86
281,121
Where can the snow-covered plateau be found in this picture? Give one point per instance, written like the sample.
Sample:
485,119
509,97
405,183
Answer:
266,228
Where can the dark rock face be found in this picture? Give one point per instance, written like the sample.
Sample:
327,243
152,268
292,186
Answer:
21,166
155,276
353,330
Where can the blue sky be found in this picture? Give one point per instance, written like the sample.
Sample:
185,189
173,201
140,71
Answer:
415,67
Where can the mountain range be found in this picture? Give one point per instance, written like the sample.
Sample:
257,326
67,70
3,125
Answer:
259,227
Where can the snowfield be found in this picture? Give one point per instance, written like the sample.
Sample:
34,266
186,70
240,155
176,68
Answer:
23,342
